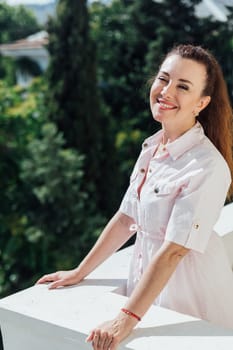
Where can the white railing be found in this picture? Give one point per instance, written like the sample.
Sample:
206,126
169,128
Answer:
42,319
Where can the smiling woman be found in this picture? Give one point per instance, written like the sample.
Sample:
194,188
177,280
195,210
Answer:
176,95
176,192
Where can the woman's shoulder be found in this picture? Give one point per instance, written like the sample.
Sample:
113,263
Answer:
209,156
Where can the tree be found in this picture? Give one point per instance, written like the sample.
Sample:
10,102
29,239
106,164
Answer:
43,203
21,117
16,22
121,81
56,209
73,99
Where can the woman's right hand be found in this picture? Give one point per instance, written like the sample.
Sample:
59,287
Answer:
60,278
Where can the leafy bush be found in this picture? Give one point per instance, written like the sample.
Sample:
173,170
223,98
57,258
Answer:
47,220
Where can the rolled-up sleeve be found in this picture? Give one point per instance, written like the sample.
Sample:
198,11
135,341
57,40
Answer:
127,204
198,206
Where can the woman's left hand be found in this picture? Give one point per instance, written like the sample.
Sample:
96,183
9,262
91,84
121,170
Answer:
108,335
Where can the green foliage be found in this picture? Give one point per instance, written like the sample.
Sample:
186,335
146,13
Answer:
19,124
7,70
58,208
16,22
122,80
74,101
47,220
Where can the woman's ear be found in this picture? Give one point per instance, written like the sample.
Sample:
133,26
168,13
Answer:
204,101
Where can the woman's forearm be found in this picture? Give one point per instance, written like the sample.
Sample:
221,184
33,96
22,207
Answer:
114,235
152,282
155,277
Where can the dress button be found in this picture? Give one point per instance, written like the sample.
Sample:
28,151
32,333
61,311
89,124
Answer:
145,144
142,170
196,226
150,170
156,190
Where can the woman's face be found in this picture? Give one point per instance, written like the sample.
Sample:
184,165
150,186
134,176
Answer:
176,93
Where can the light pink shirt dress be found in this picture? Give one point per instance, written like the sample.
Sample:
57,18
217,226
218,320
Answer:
180,201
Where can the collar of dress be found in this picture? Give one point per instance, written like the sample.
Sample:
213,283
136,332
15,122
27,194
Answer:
182,144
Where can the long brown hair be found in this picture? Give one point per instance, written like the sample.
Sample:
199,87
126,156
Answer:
217,117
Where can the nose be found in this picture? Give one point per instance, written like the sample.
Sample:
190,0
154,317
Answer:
167,91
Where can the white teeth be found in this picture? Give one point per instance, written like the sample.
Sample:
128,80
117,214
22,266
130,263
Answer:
166,106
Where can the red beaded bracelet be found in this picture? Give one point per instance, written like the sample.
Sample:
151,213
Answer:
127,312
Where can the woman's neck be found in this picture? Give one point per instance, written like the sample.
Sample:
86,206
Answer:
170,134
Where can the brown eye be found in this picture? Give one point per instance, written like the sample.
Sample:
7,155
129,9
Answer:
184,87
163,79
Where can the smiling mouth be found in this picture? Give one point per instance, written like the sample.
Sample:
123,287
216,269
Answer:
164,105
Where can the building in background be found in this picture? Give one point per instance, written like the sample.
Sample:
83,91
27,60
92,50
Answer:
31,55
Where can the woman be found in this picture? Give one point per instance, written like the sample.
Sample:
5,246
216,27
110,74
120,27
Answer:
176,192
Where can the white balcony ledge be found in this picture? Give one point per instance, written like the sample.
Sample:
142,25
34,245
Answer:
38,318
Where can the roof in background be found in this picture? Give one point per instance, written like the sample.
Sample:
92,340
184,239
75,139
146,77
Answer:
35,41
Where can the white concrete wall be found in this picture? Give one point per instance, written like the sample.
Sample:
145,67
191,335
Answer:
38,318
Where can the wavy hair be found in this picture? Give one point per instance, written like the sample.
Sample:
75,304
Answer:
216,118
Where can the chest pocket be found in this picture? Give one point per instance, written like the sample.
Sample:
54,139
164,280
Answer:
164,189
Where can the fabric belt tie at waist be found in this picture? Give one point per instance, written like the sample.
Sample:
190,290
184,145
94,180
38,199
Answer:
137,228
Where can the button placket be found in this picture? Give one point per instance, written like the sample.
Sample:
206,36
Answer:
139,251
139,258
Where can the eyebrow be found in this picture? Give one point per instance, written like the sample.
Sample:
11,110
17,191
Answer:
183,80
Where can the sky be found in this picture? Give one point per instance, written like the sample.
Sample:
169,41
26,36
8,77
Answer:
37,2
